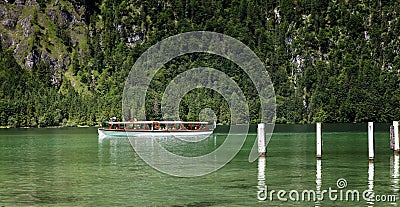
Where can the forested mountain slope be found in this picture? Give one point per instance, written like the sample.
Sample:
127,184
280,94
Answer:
65,62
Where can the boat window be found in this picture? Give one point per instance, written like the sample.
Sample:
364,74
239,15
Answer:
114,126
163,126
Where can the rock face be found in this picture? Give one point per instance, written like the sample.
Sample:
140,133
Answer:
8,22
20,2
31,59
26,26
50,33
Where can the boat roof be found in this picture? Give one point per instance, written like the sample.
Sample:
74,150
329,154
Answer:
161,122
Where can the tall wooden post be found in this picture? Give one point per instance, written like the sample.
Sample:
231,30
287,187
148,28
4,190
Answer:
261,139
391,144
371,141
396,137
319,141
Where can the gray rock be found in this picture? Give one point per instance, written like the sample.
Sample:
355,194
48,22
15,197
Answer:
19,51
9,18
31,3
2,12
9,23
26,25
30,60
7,41
20,2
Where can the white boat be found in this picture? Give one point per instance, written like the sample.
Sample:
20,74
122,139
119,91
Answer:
156,128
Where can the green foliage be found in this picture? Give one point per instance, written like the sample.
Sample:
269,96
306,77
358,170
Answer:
42,3
330,62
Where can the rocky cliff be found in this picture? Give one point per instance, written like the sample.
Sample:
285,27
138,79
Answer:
44,31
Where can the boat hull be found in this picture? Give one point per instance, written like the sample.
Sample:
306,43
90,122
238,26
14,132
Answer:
151,133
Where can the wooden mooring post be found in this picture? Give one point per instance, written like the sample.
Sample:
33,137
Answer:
319,141
371,141
261,139
391,144
396,142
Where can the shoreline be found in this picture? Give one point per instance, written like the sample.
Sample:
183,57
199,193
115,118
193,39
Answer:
49,127
359,126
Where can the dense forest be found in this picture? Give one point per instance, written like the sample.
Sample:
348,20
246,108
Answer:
64,63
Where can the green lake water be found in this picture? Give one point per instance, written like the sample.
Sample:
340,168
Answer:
72,167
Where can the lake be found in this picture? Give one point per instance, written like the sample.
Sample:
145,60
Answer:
72,167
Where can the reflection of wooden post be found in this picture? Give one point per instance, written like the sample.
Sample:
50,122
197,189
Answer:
262,188
261,139
371,172
318,181
395,173
371,140
215,141
394,164
261,170
396,137
319,140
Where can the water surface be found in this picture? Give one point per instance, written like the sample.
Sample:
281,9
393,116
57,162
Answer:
71,167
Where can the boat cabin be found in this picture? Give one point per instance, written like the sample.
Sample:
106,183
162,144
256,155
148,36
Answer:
159,126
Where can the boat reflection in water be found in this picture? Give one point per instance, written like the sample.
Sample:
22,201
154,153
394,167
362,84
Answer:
155,138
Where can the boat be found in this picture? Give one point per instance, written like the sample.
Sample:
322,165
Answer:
156,128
